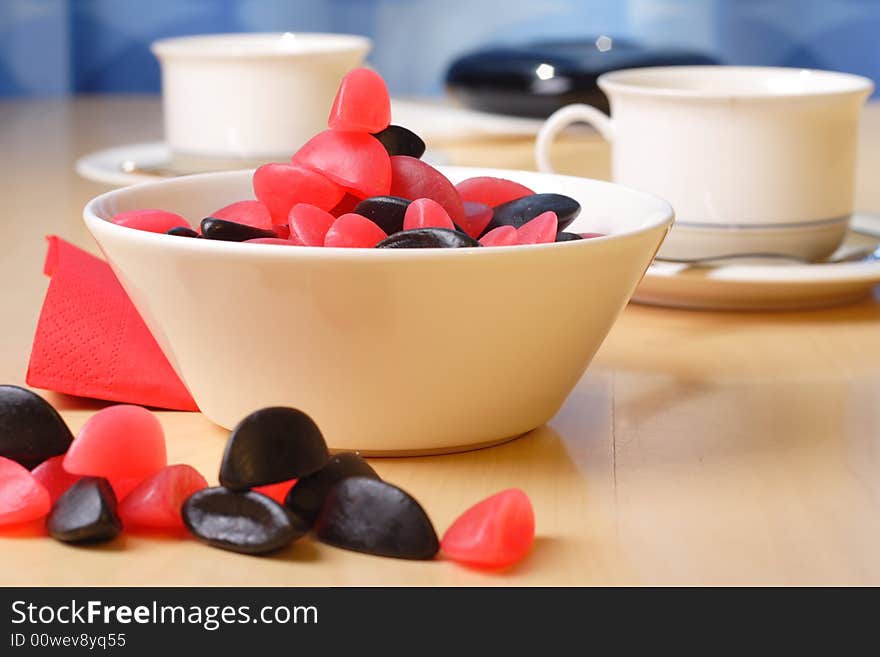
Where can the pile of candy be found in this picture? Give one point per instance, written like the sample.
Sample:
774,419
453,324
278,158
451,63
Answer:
277,482
361,184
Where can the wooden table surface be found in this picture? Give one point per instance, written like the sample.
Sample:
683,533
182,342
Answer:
699,448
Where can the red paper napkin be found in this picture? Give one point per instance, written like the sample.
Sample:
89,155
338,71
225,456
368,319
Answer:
91,341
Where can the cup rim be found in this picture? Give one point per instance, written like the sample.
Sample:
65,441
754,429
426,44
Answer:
823,83
253,45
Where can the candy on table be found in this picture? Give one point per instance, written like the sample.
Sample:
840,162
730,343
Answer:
85,513
411,178
270,240
398,140
249,213
426,213
494,533
309,224
122,486
31,431
491,191
54,477
362,103
22,497
501,236
476,217
369,515
150,220
280,186
271,445
118,442
229,231
428,238
246,522
387,212
353,160
518,212
156,501
183,231
307,497
540,230
354,231
277,492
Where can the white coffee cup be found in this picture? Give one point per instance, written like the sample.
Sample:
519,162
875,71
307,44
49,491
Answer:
753,159
251,96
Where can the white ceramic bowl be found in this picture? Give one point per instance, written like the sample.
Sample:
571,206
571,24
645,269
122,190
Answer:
391,351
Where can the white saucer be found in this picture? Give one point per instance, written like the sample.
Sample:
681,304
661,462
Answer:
764,286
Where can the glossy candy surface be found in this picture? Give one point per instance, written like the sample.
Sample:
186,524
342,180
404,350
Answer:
387,212
150,220
118,442
495,533
31,431
309,224
426,213
491,191
22,497
246,522
540,230
516,213
272,445
501,236
354,232
229,231
156,501
353,160
428,238
476,217
54,478
398,140
307,497
368,515
183,231
249,213
281,186
85,513
411,178
362,103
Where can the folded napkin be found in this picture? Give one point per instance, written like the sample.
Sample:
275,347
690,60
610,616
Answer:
91,342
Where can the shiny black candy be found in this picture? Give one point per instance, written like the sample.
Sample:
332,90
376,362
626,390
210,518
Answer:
31,431
398,140
369,515
567,237
272,445
522,210
386,212
307,496
428,238
85,513
183,231
245,522
230,231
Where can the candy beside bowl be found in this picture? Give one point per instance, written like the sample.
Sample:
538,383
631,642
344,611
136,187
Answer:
392,351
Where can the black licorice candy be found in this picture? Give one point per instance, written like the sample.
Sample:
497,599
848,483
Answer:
387,212
522,210
230,231
398,140
307,497
31,430
428,238
85,513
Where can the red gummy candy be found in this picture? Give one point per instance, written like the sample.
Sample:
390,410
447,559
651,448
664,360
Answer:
22,497
249,213
347,204
476,217
411,178
501,236
309,224
156,501
355,160
122,486
540,230
277,492
494,533
271,240
354,231
426,213
280,186
491,191
55,479
118,442
362,103
587,236
152,221
282,230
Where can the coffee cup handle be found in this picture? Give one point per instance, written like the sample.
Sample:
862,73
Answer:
561,119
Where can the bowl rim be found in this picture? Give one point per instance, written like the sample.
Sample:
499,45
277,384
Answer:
664,215
252,45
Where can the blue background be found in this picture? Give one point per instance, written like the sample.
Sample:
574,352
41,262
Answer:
50,47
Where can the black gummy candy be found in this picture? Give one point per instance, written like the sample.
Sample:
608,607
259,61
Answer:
522,210
568,237
230,231
183,231
245,522
387,212
31,431
307,496
369,515
398,140
85,513
428,238
272,445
